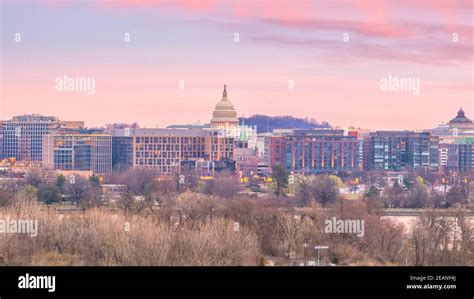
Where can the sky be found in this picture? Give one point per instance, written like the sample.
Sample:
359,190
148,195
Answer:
165,62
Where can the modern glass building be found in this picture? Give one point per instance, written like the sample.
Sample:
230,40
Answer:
466,157
22,136
90,152
122,152
401,150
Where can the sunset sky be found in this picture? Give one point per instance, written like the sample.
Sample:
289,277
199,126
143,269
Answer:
334,80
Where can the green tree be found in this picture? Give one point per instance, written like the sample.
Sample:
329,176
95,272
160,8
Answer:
94,180
48,193
280,175
373,192
60,182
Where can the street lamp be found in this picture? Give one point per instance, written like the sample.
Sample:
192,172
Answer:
319,248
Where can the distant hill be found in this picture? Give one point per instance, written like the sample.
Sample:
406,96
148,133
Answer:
267,123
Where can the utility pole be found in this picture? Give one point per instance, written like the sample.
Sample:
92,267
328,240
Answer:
304,253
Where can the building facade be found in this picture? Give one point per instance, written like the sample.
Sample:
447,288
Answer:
459,126
167,150
246,161
457,156
401,151
361,135
461,123
22,136
81,152
448,157
466,157
455,148
122,152
2,156
315,152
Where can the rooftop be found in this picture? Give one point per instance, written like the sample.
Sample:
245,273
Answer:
162,132
460,118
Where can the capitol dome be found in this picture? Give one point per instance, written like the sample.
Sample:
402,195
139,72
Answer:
224,115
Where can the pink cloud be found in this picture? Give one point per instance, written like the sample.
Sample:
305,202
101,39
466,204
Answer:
364,28
429,52
375,16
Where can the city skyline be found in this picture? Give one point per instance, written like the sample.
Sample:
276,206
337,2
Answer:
316,135
335,62
208,122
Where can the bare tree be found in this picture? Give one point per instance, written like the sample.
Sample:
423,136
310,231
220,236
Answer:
135,178
457,195
325,189
384,239
129,204
77,189
432,239
36,176
418,196
304,190
225,185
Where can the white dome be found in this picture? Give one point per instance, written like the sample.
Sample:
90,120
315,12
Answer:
224,114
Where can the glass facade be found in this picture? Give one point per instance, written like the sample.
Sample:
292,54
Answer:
22,136
401,150
122,152
90,152
465,157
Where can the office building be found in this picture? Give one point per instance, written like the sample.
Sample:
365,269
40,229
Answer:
318,151
361,135
78,152
22,136
401,151
246,161
122,148
166,150
461,123
457,156
459,126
